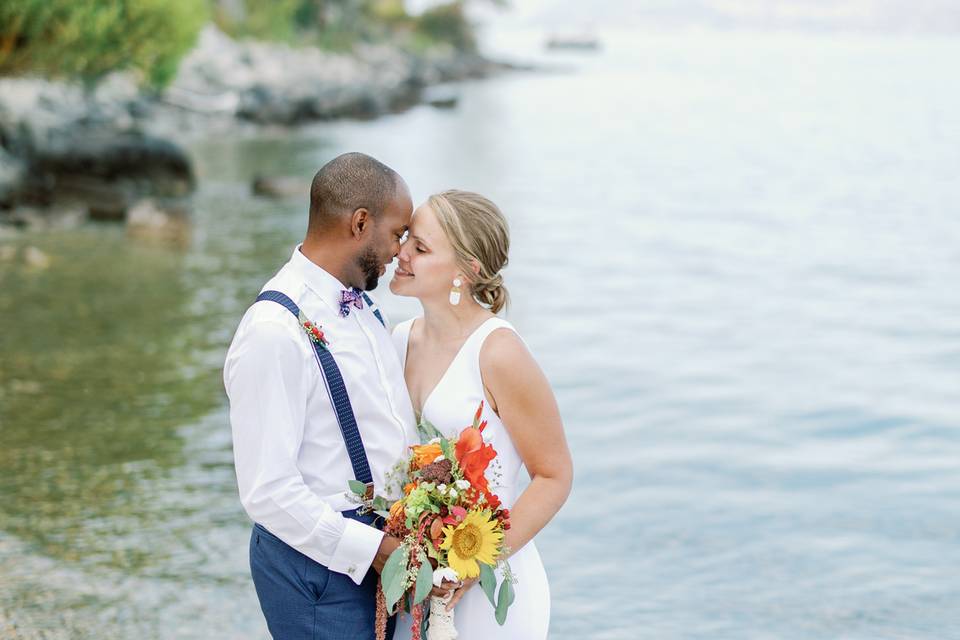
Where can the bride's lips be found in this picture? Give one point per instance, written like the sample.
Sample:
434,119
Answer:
402,273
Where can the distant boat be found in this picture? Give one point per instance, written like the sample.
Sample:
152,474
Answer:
582,42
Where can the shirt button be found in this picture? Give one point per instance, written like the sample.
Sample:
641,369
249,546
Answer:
352,569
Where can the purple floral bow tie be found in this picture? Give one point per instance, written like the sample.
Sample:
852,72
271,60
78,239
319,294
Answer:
350,297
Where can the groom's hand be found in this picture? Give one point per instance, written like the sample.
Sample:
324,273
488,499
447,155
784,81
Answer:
388,545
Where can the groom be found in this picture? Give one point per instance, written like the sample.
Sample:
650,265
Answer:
312,409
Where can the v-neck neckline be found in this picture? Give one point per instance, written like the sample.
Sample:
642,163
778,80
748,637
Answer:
443,376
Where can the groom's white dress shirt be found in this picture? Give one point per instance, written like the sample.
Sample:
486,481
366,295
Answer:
292,465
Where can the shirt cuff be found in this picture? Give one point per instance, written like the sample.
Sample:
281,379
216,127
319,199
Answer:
356,550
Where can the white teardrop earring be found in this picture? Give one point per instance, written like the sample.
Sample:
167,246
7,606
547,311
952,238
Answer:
455,292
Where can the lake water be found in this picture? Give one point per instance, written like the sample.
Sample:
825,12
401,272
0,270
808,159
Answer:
737,259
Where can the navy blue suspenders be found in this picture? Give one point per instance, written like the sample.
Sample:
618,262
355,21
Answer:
337,391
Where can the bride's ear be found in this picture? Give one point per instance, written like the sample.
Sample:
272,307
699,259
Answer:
474,269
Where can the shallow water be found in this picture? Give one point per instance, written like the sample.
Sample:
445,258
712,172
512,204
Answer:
735,256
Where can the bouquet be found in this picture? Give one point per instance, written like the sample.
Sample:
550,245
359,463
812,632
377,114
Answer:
451,526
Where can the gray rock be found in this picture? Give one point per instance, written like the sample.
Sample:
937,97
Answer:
12,174
280,186
107,172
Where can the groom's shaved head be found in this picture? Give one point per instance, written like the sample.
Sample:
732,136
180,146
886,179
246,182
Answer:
349,182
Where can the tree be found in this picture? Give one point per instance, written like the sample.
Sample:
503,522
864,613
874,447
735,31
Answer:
88,39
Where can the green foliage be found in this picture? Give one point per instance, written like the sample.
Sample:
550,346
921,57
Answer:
424,582
88,39
488,582
339,24
278,20
394,575
331,24
504,599
448,23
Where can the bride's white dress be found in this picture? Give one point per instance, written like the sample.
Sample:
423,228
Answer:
450,407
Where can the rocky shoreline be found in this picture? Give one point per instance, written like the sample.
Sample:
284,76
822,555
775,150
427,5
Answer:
70,153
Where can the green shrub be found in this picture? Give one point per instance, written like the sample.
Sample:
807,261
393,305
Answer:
277,20
88,39
448,23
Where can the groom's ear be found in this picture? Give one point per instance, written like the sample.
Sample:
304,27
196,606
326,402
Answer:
360,222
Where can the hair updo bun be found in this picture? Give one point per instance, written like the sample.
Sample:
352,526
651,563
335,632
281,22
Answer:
492,293
479,234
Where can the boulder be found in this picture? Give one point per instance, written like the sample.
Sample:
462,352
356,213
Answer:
107,171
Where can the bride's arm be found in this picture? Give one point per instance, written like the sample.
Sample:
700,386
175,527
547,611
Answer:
521,395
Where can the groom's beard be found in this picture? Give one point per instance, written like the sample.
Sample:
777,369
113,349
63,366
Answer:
370,267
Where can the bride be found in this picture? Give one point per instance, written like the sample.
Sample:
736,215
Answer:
460,353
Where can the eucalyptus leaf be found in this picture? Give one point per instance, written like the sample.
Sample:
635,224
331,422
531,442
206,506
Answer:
424,580
394,576
504,600
488,581
447,449
358,488
427,430
381,503
383,514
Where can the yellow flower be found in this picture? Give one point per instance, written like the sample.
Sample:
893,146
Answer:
473,540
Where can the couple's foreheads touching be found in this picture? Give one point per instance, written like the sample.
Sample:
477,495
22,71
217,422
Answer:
361,212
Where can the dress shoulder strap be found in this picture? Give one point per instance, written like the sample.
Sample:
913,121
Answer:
483,332
488,327
401,338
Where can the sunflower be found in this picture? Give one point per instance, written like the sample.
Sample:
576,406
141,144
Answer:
473,540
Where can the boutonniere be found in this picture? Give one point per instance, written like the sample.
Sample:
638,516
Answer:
314,332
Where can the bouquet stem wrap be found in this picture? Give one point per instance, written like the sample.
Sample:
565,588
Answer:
441,621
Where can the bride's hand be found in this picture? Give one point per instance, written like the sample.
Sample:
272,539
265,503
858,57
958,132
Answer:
458,593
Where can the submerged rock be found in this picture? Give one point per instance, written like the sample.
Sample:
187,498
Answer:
165,221
35,259
441,97
280,186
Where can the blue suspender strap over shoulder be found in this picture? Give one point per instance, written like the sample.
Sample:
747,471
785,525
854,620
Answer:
338,395
376,311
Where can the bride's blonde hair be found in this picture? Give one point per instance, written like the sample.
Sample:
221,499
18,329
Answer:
478,232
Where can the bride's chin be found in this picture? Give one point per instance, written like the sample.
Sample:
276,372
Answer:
396,287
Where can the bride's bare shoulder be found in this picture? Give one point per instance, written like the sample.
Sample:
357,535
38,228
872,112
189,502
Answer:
505,354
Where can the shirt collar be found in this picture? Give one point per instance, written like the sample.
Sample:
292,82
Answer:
320,281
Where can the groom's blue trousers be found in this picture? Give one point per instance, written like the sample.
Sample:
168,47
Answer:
303,600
